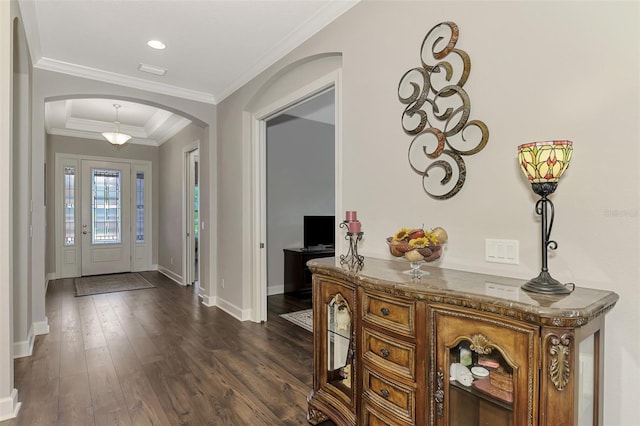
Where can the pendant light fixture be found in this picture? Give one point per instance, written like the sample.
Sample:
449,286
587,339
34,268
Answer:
115,137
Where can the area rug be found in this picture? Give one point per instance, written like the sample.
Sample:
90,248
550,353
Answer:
98,284
303,319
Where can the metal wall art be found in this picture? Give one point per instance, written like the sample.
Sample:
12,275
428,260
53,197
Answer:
437,113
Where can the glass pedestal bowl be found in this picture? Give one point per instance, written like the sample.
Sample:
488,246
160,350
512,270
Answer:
417,258
415,271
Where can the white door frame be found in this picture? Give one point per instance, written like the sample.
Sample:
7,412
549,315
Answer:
257,222
68,260
187,217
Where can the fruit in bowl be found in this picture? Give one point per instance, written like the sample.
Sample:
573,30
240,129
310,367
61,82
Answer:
419,244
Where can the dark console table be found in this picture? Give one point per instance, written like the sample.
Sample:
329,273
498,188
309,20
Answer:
297,277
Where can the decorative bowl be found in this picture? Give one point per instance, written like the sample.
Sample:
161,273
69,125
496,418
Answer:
417,246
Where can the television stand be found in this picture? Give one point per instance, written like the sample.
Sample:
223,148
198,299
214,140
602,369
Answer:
297,277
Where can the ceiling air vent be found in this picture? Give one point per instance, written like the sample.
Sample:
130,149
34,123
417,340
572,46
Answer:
152,70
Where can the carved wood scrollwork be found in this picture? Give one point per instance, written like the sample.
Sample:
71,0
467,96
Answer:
437,113
560,366
315,416
438,395
481,344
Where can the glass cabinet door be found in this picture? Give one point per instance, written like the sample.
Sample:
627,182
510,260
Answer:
339,344
485,371
334,378
480,384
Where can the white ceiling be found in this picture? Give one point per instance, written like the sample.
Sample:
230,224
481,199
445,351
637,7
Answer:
213,48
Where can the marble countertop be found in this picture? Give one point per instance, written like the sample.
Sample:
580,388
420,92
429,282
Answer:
483,292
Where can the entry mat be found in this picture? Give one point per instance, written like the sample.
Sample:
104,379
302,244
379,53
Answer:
98,284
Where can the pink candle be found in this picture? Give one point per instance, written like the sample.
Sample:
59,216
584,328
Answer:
352,215
354,226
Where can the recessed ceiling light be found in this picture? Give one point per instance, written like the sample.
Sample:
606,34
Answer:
156,44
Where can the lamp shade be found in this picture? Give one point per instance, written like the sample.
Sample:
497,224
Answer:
544,161
116,138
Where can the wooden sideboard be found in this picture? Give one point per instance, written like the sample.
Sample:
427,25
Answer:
386,346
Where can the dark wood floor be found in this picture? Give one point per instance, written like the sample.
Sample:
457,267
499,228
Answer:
159,357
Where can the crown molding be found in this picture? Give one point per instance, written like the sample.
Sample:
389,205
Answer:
98,137
179,124
305,30
54,65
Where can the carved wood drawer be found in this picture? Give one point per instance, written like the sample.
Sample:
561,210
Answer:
390,313
375,417
391,355
391,399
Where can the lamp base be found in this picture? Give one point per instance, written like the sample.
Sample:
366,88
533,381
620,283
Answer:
545,284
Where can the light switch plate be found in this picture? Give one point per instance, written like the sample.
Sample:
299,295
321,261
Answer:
502,251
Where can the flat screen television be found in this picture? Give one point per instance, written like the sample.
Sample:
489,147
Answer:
319,231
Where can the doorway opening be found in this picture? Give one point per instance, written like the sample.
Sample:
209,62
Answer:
192,218
300,170
268,225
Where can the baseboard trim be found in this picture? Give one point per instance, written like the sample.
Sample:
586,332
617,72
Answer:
41,327
49,277
233,310
170,274
9,406
24,348
208,301
275,289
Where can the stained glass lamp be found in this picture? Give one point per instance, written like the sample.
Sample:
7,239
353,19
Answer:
543,163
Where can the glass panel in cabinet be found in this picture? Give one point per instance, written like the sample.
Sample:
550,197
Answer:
480,385
586,382
339,344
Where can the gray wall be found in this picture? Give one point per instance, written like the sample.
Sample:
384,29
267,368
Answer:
49,85
91,147
171,178
537,73
300,181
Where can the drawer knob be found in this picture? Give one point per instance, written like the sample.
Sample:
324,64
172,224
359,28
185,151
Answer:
385,311
384,393
384,352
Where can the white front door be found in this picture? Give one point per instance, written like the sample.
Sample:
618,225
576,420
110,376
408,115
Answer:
106,217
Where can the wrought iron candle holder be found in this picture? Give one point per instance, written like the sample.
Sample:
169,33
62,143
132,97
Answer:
352,260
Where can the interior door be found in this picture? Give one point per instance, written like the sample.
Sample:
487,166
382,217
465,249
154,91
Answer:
106,217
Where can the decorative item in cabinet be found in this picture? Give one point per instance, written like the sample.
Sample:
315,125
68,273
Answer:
340,357
500,386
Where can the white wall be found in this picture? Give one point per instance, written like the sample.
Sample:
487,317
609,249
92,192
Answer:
23,328
540,70
8,394
300,181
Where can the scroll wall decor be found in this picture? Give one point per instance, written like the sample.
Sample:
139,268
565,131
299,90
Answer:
437,113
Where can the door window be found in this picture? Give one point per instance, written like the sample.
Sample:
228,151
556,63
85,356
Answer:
140,207
106,206
69,206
